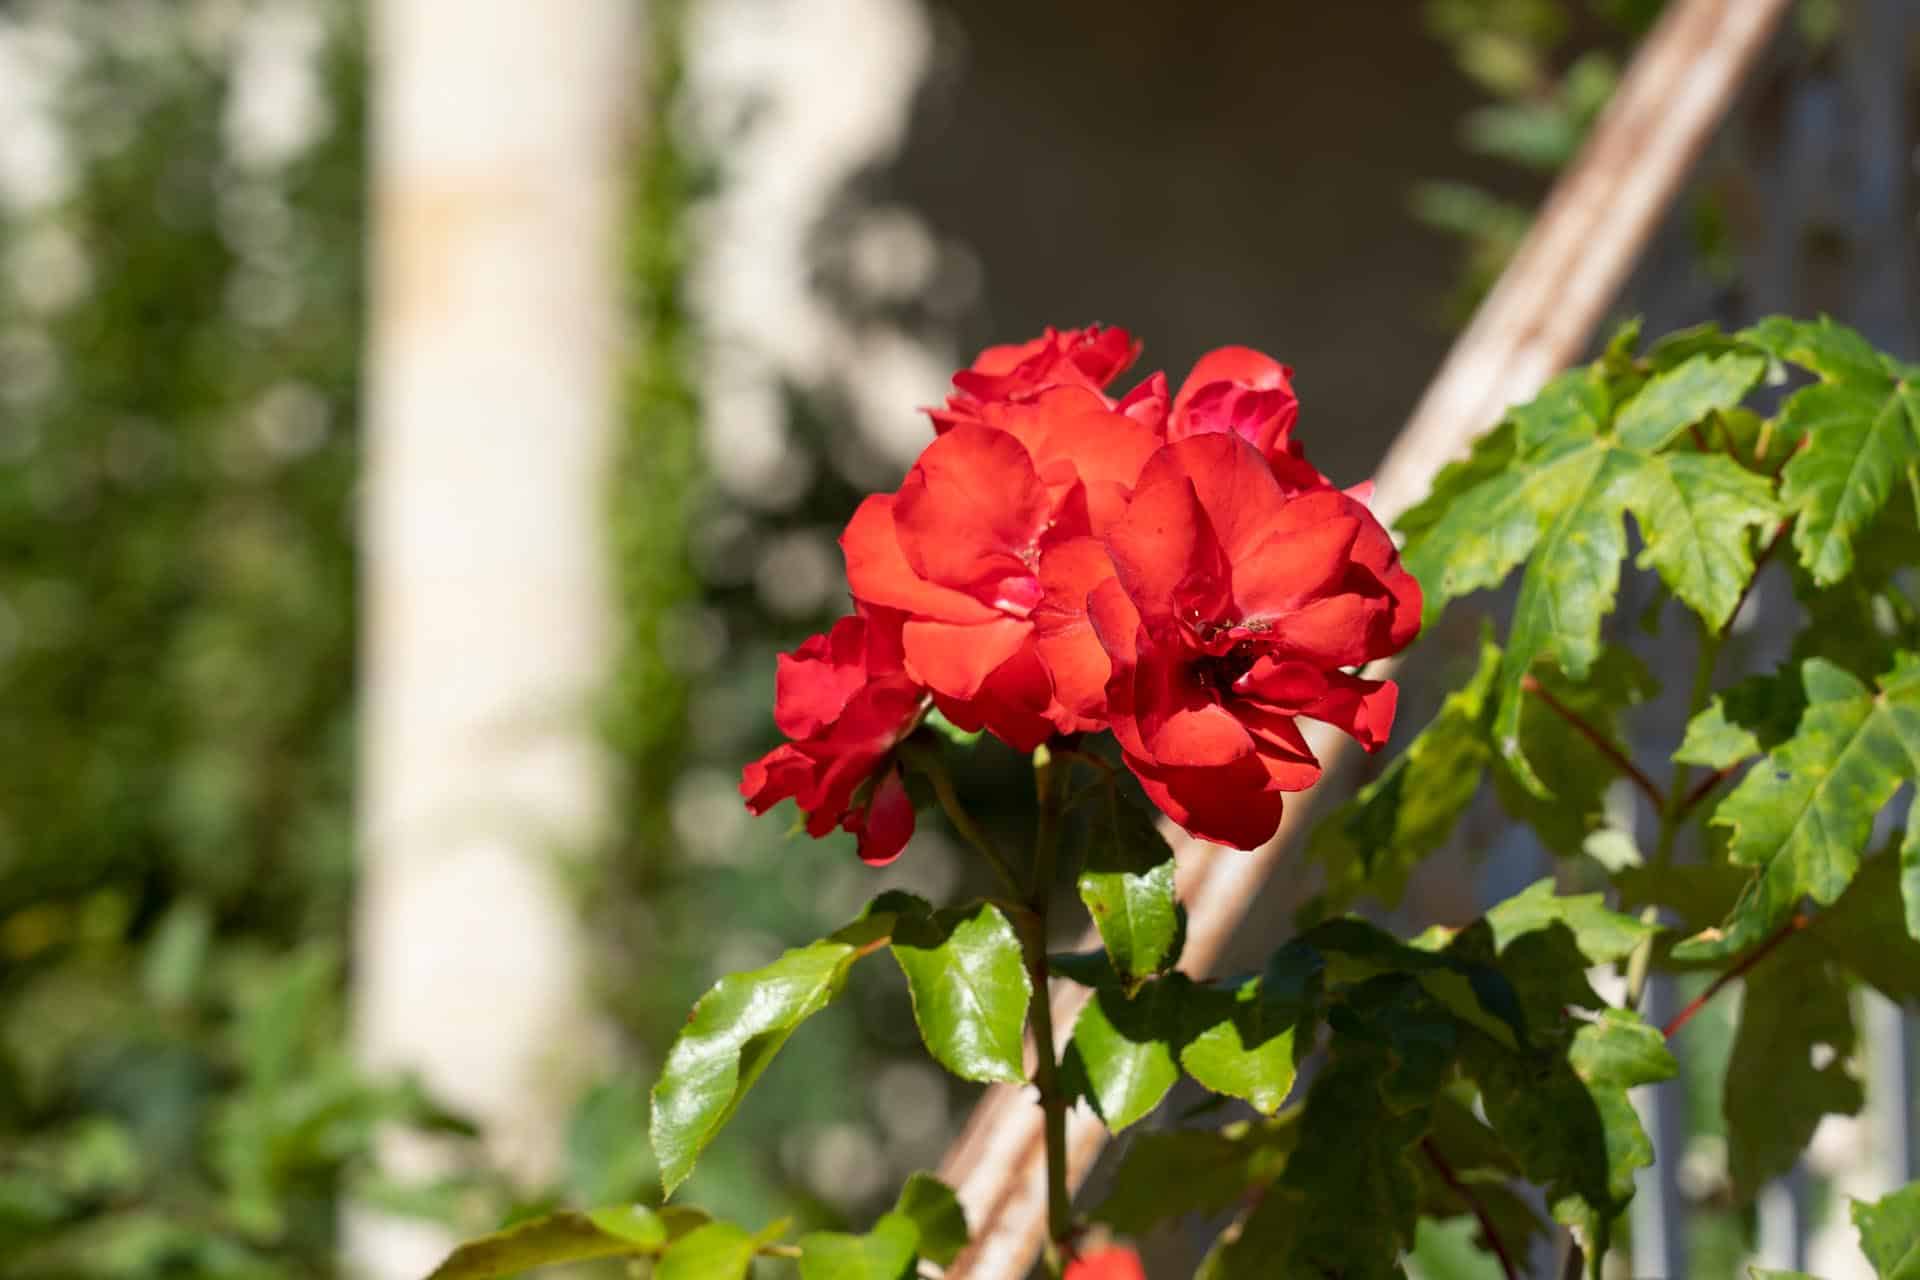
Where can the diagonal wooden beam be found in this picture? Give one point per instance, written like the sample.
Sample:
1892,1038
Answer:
1540,317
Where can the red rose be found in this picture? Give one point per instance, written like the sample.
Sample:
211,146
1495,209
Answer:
1239,391
846,700
960,548
1113,1263
1228,610
1088,358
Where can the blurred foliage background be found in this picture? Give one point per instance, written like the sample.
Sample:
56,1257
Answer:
181,302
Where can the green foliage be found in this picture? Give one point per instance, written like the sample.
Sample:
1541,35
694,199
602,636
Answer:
1127,886
735,1031
1125,1049
968,976
1794,1007
1804,816
1890,1233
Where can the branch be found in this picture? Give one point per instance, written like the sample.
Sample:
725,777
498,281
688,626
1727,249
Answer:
1759,563
1799,921
1459,1188
1703,788
1618,758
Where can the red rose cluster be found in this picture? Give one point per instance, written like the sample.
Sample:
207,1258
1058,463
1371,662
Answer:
1060,561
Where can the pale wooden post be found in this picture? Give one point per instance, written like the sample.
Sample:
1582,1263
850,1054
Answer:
500,134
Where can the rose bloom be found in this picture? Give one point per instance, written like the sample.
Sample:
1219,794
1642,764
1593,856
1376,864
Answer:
846,700
1087,358
1226,609
960,550
1111,1263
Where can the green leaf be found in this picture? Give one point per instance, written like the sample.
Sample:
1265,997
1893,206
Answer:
626,1231
1603,936
1576,773
1346,1203
1491,455
734,1032
1753,716
1374,840
1775,1097
1865,930
1890,1233
1194,1171
1672,401
937,721
1568,587
1127,885
1804,816
1124,1049
1860,434
1567,1117
1241,1042
1696,512
936,1215
968,979
1574,406
717,1251
885,1253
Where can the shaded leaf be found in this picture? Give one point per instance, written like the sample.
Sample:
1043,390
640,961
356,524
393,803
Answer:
1127,885
1124,1049
1753,716
1241,1042
734,1032
968,979
936,1215
1576,774
1804,816
1865,930
1775,1097
1378,836
1178,1172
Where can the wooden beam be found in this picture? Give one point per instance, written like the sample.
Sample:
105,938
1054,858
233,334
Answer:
1540,317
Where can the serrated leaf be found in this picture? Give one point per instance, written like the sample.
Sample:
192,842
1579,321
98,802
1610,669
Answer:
1373,841
717,1251
936,1215
1124,1050
968,979
1774,1096
1575,772
1568,1118
1346,1203
1696,513
1491,455
1739,723
1804,815
1241,1042
1603,936
1127,886
885,1253
1672,401
1859,430
1174,1173
1573,406
734,1032
1864,930
1568,588
626,1231
1890,1233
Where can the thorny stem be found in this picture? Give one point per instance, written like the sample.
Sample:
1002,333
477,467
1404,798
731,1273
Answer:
1799,921
1459,1188
1628,769
1048,781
